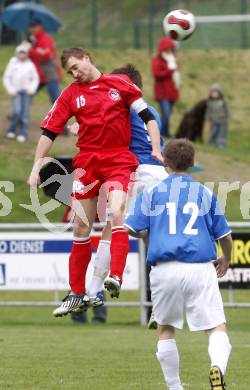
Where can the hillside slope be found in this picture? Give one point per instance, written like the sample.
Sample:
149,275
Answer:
199,70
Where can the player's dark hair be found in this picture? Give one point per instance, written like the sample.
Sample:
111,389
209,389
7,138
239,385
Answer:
76,52
131,71
179,154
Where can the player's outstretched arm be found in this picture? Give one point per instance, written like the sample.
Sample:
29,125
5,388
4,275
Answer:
154,133
43,147
148,118
222,263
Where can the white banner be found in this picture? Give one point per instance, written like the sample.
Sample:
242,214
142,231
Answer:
39,261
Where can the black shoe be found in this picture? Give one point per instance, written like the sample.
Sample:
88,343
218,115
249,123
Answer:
152,324
98,320
80,318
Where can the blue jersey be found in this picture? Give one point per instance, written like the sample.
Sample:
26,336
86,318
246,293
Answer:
183,220
140,140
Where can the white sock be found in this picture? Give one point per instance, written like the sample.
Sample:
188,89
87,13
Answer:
168,358
101,268
219,349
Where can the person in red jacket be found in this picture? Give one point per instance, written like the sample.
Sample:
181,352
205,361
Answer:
166,80
43,54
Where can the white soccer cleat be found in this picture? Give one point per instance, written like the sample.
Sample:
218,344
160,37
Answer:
72,303
98,300
113,285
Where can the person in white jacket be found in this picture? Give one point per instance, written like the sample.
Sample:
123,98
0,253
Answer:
21,81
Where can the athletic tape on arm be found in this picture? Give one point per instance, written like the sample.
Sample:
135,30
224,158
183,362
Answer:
146,115
50,134
139,105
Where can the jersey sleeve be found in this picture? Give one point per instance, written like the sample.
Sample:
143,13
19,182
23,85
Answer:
220,226
138,217
59,114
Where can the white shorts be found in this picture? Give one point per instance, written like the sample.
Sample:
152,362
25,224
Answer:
178,287
148,175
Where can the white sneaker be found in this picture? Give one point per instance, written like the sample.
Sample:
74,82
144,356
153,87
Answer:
21,138
98,300
11,135
72,303
113,285
152,324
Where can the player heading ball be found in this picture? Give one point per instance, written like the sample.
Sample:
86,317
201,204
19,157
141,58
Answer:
100,104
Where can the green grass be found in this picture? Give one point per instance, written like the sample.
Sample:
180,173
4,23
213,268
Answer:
39,352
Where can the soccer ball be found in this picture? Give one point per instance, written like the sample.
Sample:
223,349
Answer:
179,24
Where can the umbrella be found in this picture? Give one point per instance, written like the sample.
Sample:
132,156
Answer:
18,16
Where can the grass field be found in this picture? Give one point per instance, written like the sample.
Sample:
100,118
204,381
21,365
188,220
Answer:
39,352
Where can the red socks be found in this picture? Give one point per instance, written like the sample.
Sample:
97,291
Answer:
78,264
119,250
81,256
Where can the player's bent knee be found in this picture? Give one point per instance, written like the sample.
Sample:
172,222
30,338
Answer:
219,328
166,332
81,229
81,232
117,216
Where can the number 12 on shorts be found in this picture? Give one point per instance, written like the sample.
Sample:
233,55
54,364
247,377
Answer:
172,212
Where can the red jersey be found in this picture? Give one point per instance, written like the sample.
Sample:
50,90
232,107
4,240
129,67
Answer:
101,109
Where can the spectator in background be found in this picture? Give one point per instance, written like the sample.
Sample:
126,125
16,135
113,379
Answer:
217,114
21,81
44,55
166,81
